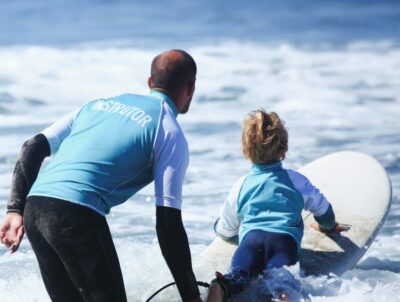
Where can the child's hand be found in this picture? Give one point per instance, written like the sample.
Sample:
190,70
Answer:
338,228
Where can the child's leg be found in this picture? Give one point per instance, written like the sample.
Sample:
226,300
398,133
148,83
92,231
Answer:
280,250
250,253
247,261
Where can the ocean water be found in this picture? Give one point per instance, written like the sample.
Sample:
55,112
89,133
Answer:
330,69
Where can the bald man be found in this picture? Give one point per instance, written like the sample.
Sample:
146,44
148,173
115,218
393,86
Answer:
105,152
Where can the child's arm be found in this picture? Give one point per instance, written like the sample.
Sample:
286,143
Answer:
227,225
326,221
315,202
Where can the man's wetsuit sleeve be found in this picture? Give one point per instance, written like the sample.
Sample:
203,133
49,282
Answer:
32,154
30,159
175,249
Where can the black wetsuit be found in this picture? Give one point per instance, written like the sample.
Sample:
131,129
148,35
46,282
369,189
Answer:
75,251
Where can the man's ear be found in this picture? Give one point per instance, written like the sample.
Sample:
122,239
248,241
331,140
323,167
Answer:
191,88
150,82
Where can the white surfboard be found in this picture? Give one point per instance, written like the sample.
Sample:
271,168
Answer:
359,190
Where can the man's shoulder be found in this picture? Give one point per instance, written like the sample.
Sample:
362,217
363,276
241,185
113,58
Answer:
128,100
137,97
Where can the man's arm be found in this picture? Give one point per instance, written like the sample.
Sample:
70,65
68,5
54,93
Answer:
26,170
175,249
171,158
27,167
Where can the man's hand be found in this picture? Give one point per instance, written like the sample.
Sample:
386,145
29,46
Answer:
12,231
338,229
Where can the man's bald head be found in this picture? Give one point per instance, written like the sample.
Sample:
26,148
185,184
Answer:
173,71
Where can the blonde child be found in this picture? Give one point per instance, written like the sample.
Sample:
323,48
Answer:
264,208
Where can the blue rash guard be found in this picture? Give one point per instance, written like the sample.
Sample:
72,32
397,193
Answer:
271,198
111,148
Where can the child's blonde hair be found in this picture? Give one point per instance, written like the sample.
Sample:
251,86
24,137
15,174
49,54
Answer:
264,137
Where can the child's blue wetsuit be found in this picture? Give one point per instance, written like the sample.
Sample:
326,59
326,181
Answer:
259,251
264,208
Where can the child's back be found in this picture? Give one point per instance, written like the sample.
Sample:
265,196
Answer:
264,207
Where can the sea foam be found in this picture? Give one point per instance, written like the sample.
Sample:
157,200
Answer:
331,100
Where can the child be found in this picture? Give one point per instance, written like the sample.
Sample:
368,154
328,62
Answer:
264,208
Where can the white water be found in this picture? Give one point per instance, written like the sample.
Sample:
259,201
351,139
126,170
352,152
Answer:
331,99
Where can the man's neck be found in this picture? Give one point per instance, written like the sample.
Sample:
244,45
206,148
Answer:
164,91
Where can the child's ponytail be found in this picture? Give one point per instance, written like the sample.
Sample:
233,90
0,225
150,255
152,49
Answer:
264,137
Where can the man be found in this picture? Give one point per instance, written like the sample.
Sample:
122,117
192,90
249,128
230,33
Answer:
105,152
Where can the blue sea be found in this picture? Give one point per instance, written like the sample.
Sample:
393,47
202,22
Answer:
329,68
